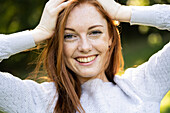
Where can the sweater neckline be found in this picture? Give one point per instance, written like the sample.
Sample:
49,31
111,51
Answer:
95,83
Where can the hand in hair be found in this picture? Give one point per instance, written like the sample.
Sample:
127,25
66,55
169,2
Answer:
116,10
46,27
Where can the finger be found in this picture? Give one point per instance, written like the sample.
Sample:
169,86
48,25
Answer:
58,2
53,3
61,7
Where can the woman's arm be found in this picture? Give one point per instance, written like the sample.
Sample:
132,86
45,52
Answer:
117,11
151,80
46,27
156,16
26,96
17,42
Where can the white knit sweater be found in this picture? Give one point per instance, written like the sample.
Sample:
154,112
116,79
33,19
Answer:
139,90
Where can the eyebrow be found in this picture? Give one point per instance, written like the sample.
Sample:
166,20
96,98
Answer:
88,28
95,26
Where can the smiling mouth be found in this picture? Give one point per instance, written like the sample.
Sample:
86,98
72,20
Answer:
86,59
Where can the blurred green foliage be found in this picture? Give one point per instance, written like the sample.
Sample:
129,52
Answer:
17,15
138,42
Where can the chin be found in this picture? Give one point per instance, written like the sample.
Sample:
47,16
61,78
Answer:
87,75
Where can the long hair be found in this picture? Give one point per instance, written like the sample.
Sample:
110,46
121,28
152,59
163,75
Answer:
68,86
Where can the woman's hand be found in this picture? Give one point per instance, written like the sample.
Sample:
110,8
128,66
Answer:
116,10
46,27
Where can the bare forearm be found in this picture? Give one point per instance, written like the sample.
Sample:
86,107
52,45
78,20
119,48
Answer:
46,27
39,35
124,14
116,11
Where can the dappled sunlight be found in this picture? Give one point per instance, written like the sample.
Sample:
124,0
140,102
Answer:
138,2
116,23
143,29
165,104
154,39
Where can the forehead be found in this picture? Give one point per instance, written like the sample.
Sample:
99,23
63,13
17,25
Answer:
85,15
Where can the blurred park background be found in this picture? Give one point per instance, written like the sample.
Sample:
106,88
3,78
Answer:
138,42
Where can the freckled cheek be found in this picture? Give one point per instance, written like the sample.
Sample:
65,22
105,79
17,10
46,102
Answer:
68,50
101,45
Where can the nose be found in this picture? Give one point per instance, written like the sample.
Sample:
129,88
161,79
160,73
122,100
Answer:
85,45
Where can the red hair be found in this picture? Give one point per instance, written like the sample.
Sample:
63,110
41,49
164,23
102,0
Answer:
67,84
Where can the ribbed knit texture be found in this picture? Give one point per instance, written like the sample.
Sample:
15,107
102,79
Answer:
139,90
159,16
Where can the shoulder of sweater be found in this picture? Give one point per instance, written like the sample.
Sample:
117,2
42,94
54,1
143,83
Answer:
43,86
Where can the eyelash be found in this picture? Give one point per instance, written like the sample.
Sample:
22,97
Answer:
95,32
69,36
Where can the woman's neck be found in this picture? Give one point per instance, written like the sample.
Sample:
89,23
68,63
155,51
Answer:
101,76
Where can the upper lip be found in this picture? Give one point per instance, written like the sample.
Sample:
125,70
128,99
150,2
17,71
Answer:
86,56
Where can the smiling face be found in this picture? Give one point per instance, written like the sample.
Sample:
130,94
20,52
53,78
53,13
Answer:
86,42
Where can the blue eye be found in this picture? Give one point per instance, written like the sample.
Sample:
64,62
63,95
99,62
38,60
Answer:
95,33
68,36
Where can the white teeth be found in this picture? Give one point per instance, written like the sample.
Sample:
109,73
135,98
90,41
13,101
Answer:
85,60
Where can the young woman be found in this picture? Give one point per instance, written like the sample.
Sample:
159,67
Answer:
82,56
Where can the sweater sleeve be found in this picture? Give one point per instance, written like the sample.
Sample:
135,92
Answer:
151,80
156,16
15,94
15,43
25,96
